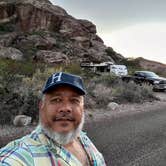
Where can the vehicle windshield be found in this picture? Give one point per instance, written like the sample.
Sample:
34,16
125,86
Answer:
151,74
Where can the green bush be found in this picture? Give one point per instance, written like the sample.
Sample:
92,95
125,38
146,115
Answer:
73,68
9,107
108,79
110,52
13,104
108,88
21,85
30,106
4,28
132,65
131,92
99,90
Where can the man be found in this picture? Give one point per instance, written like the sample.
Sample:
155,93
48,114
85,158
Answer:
58,139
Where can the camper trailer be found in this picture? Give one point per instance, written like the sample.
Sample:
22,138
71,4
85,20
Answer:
119,70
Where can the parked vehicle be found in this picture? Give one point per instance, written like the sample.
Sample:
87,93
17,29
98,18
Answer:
160,86
118,70
148,77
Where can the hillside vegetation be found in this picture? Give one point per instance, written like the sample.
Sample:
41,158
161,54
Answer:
21,85
37,39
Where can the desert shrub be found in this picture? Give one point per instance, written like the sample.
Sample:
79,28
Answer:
5,116
13,104
105,89
100,90
12,73
110,52
131,92
132,64
30,106
106,79
16,67
102,95
9,78
35,83
73,68
39,32
9,107
4,28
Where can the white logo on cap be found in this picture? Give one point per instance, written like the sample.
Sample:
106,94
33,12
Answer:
55,76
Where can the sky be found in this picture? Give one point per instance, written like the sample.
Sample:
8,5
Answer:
132,28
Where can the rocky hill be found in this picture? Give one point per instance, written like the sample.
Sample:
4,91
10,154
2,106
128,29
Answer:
40,31
152,65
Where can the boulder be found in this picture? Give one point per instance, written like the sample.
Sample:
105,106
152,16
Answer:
113,106
12,53
7,39
88,25
42,42
51,57
22,120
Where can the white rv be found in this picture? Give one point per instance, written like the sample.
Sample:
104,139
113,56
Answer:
119,70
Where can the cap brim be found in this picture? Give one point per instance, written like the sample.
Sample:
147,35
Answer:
78,89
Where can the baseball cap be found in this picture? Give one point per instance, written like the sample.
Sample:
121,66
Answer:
61,78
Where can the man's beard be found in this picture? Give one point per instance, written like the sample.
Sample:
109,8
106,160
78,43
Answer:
63,138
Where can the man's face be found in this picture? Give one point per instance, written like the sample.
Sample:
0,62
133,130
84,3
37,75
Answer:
62,109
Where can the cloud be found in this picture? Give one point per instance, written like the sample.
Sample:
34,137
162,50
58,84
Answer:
131,27
141,40
115,14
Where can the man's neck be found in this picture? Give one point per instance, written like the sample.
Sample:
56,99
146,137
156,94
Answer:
76,148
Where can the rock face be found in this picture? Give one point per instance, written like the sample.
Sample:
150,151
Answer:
37,25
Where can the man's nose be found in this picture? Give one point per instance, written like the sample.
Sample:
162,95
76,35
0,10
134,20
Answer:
65,107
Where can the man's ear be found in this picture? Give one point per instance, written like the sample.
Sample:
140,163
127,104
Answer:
40,105
83,103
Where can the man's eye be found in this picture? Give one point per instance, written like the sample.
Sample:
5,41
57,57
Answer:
75,101
55,100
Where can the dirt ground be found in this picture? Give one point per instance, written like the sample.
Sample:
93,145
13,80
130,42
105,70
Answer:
127,109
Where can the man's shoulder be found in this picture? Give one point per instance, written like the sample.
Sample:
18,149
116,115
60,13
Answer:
22,150
14,151
84,137
16,146
28,141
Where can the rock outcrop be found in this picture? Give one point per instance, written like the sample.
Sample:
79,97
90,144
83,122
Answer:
35,26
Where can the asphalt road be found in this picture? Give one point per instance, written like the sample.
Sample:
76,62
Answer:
132,140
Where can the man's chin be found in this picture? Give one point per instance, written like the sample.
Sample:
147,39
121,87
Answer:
63,137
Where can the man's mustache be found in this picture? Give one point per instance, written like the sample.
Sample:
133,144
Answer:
63,117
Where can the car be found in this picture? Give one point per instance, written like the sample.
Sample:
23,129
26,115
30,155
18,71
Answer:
147,77
160,86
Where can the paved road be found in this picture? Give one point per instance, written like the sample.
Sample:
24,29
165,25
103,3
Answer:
134,140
